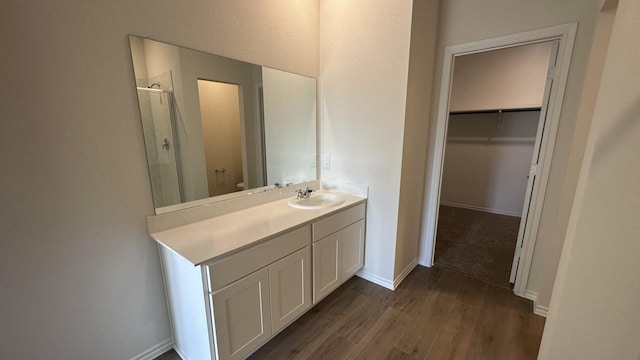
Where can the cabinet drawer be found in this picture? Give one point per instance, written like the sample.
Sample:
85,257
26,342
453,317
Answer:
223,272
337,222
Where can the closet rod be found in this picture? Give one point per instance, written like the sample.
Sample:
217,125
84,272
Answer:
493,111
491,139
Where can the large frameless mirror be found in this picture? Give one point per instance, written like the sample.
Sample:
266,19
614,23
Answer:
217,128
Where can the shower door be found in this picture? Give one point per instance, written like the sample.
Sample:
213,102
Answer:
158,125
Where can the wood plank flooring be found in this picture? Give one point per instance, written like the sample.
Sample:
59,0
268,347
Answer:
434,314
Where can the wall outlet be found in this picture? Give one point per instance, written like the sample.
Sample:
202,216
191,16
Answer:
326,161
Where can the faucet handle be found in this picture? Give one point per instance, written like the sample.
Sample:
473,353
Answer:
303,194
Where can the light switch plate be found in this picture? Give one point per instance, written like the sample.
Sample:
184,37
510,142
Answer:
326,161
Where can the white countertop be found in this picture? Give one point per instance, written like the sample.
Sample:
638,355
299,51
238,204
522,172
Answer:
219,236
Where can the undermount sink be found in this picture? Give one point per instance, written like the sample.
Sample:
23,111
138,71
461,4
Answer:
317,201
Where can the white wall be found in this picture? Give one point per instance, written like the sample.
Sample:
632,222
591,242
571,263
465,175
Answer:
486,167
594,310
364,58
289,126
80,277
462,22
424,29
511,78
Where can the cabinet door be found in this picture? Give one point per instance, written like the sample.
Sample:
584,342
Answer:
242,317
352,250
290,283
326,265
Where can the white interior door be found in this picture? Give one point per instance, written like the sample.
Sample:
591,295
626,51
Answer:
533,171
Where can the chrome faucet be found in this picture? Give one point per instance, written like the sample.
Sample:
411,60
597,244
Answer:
304,194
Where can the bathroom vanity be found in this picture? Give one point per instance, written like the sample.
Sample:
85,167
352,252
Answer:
235,280
242,256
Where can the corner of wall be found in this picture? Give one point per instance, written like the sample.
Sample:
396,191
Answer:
376,279
538,309
424,28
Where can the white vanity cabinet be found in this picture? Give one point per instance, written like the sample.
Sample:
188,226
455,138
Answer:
242,315
338,250
249,311
227,307
290,288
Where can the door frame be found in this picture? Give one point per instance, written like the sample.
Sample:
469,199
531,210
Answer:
566,35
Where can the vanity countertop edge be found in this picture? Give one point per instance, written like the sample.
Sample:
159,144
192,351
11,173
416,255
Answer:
215,238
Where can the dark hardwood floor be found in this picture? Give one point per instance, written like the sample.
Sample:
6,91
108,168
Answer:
434,314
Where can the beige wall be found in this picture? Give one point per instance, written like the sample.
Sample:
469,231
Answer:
488,174
594,310
462,22
511,78
424,28
80,277
542,282
364,58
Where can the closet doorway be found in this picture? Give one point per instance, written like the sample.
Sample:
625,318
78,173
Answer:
495,102
497,121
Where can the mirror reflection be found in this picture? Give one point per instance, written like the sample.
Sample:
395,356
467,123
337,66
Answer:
218,127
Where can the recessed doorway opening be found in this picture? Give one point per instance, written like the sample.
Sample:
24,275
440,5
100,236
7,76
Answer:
499,135
220,105
495,104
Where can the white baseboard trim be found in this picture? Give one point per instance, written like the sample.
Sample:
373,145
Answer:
378,280
404,273
155,351
541,310
480,208
537,308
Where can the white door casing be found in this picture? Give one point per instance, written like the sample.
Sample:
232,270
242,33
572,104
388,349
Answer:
565,34
535,158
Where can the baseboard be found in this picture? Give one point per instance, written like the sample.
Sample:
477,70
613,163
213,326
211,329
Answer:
541,310
537,308
480,208
404,273
378,280
155,351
